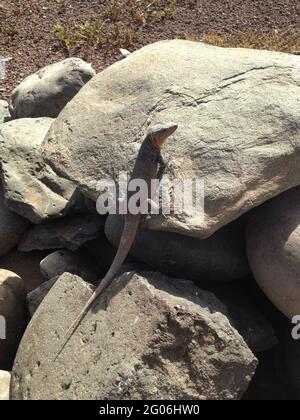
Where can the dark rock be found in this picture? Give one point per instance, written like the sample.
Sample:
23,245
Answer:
291,357
26,265
103,252
246,317
271,381
220,258
78,263
70,232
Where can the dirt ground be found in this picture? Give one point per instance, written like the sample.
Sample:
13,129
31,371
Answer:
27,34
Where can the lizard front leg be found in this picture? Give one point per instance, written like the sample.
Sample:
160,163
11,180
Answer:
162,167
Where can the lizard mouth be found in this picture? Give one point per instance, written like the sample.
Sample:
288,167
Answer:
161,137
172,129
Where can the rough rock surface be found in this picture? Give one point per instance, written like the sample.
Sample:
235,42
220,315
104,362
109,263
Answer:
220,258
242,142
13,316
31,187
78,263
4,111
4,385
148,337
12,227
46,92
273,246
70,233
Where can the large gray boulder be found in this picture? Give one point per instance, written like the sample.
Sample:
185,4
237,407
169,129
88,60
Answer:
31,187
148,337
46,92
13,316
220,258
12,227
238,116
273,246
4,111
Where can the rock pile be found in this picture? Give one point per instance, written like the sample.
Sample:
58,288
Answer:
184,318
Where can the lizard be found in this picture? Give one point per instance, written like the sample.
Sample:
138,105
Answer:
149,165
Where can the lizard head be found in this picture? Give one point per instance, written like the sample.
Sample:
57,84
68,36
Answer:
158,134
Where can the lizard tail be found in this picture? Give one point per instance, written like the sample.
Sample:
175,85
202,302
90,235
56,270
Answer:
75,324
126,242
127,239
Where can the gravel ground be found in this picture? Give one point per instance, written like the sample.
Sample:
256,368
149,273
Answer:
27,34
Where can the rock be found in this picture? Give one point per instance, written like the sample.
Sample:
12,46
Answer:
32,189
78,263
89,205
4,111
12,227
58,263
245,316
273,244
243,143
26,265
124,53
148,337
13,317
70,233
46,92
4,385
104,253
36,297
220,258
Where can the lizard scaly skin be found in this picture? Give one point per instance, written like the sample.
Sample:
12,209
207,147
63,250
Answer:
149,165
